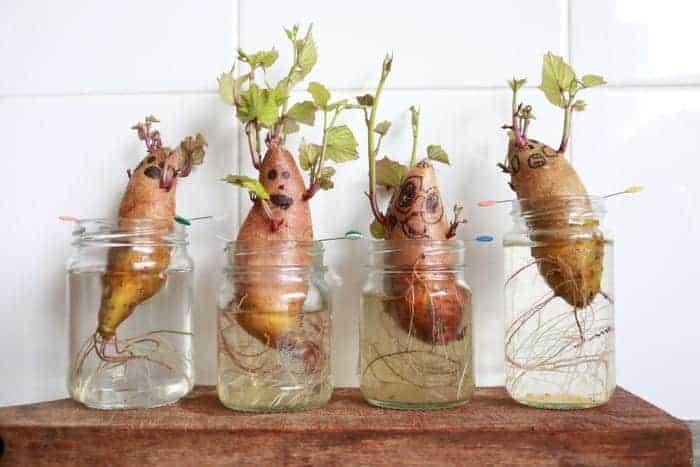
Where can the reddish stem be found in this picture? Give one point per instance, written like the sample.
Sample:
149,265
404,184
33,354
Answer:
375,208
311,191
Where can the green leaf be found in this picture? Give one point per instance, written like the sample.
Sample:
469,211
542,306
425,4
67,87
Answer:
382,127
292,33
265,58
515,84
579,105
438,154
251,184
308,153
376,229
257,104
590,81
290,126
390,173
281,91
367,100
226,83
319,93
557,77
303,112
341,145
325,179
306,57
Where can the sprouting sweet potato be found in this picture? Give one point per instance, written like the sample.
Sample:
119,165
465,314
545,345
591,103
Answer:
550,190
134,275
430,302
274,244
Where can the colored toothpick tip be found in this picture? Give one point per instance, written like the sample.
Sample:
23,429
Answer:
182,220
630,190
484,238
349,235
489,202
67,218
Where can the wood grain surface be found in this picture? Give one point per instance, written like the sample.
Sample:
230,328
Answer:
491,430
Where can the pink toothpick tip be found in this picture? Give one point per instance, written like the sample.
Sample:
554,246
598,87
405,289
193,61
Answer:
68,218
486,203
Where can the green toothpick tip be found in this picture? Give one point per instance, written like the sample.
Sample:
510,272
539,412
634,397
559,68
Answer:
353,234
182,220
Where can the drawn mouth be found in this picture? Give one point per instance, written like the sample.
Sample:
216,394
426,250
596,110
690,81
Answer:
281,201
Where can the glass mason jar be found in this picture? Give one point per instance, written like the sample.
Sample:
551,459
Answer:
559,342
274,327
416,326
129,296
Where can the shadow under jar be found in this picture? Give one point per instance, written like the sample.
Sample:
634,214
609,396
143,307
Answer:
559,305
129,297
416,326
274,327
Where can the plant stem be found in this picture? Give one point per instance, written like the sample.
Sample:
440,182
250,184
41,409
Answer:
415,120
567,127
254,153
371,150
314,184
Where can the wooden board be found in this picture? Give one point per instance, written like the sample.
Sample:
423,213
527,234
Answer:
490,430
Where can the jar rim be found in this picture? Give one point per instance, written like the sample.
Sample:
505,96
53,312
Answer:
408,255
577,205
128,232
243,247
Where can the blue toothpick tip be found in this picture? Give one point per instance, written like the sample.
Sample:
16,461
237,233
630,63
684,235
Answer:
484,238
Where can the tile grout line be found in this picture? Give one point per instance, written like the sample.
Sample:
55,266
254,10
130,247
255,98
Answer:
238,148
569,52
467,88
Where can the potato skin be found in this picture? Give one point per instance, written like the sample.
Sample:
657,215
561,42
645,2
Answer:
135,275
429,300
545,182
271,302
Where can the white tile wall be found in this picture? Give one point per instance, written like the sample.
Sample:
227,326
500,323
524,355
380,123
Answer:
76,75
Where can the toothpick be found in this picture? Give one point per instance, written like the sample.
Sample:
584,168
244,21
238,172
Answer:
631,190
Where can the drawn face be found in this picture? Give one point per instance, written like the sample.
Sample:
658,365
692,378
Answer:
415,207
280,180
535,156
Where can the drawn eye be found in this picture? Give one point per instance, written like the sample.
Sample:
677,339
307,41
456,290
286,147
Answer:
152,172
286,174
271,174
407,195
432,207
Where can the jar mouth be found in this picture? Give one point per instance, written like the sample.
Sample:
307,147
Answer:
579,207
274,254
129,232
273,247
417,254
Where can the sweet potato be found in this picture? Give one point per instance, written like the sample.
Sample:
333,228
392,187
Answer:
550,190
134,275
430,301
271,304
552,197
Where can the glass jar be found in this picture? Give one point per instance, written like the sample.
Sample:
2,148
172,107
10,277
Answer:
274,327
129,291
559,342
416,326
